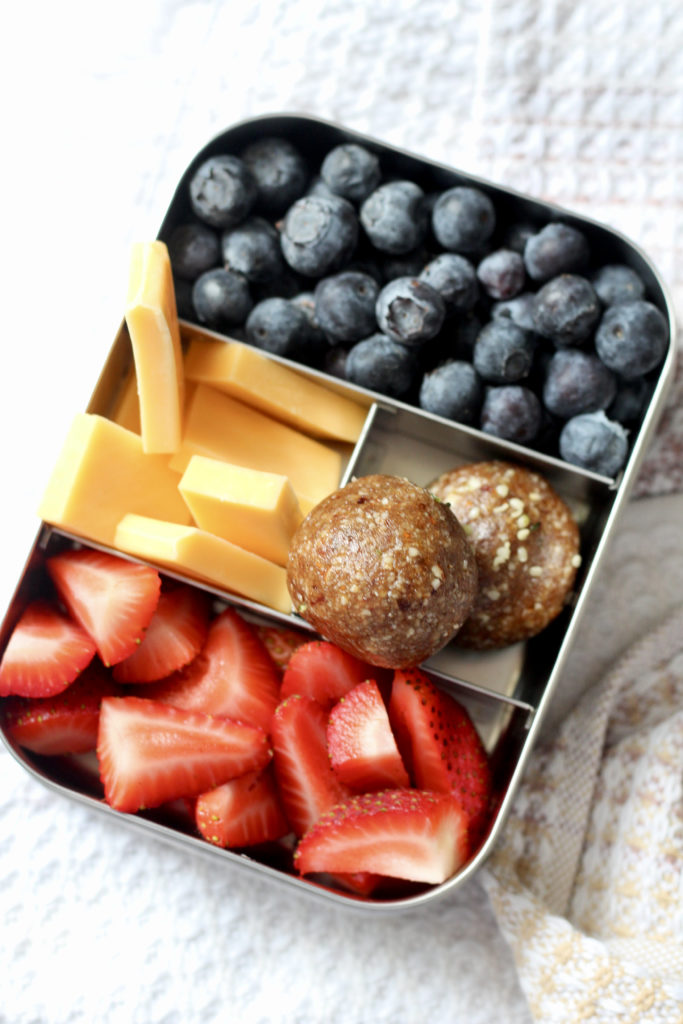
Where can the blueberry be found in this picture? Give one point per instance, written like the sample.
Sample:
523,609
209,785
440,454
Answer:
557,249
502,274
455,279
280,171
279,326
345,305
520,310
409,310
615,282
319,234
463,219
452,390
594,442
192,249
221,298
222,191
512,412
577,382
631,400
253,249
383,365
351,171
632,338
503,352
567,310
394,217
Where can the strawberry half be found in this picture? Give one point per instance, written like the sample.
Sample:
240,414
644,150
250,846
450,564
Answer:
45,653
305,780
400,833
321,670
175,635
440,745
64,724
281,642
111,598
233,675
243,812
150,753
361,745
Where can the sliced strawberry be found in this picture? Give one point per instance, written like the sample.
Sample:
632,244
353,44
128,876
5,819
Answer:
440,745
45,653
361,745
175,635
150,753
63,724
401,833
233,675
111,598
281,642
361,883
306,783
321,670
243,812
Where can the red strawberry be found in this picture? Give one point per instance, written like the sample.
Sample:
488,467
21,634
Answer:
233,675
111,598
361,745
242,812
440,746
402,833
321,670
175,635
281,642
45,653
64,724
150,753
306,783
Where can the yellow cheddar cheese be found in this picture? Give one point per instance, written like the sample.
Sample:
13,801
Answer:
101,474
205,557
253,378
152,321
255,510
220,427
126,412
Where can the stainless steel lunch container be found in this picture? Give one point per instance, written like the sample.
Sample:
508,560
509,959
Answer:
507,692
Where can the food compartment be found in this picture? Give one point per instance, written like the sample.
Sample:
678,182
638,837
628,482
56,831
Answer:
514,219
501,722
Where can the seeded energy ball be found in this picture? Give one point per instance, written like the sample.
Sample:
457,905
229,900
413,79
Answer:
384,570
526,544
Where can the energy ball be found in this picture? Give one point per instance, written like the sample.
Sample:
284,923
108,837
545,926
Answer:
526,543
383,569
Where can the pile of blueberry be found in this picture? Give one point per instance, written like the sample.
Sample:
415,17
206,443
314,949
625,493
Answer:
421,296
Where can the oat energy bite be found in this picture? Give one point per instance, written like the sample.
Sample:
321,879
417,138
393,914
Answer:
526,544
384,570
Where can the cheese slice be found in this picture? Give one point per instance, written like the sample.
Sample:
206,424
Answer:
205,557
220,427
253,378
102,473
258,511
152,321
